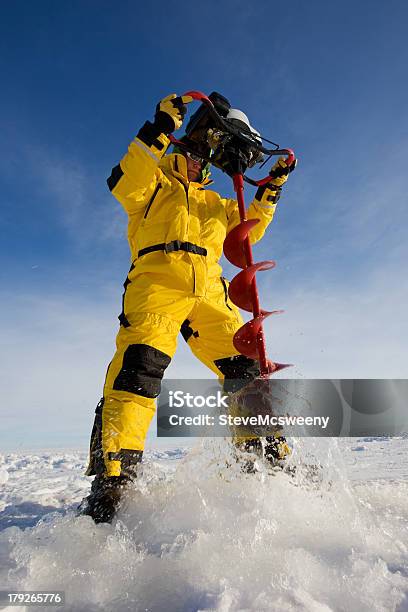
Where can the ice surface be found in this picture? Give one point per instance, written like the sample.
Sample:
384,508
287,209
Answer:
197,534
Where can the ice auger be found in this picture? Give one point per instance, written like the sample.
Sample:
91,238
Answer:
233,146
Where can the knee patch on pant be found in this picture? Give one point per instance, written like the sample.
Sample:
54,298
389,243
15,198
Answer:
142,370
237,371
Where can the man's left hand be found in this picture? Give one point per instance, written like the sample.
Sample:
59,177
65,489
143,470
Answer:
280,171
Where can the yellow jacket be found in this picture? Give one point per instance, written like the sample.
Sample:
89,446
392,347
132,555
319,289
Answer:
163,206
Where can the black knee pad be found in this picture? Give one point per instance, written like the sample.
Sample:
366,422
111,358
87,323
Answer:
237,371
142,370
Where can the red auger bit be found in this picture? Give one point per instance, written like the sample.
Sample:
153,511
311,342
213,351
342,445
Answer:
249,340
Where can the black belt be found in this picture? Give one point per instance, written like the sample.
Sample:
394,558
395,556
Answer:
175,245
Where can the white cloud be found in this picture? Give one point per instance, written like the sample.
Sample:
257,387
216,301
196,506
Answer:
56,350
343,333
87,211
70,192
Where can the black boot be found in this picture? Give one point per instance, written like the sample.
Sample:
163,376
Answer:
276,450
248,453
272,449
104,498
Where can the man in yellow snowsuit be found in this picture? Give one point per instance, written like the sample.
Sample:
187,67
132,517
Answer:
176,231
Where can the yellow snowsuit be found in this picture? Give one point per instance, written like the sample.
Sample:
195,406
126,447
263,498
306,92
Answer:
176,232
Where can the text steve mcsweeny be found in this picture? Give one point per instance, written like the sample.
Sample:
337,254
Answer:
259,420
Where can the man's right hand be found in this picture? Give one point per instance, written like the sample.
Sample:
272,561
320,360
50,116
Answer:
170,113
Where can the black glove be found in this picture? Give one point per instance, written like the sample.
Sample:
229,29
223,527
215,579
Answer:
169,116
280,171
170,113
279,175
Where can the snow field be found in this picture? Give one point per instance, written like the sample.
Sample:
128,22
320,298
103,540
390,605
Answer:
197,535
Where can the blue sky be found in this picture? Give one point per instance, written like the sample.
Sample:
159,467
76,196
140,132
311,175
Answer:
78,80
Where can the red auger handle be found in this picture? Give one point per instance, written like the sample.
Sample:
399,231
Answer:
291,157
198,95
289,161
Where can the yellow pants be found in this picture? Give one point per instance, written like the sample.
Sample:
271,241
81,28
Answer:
157,306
